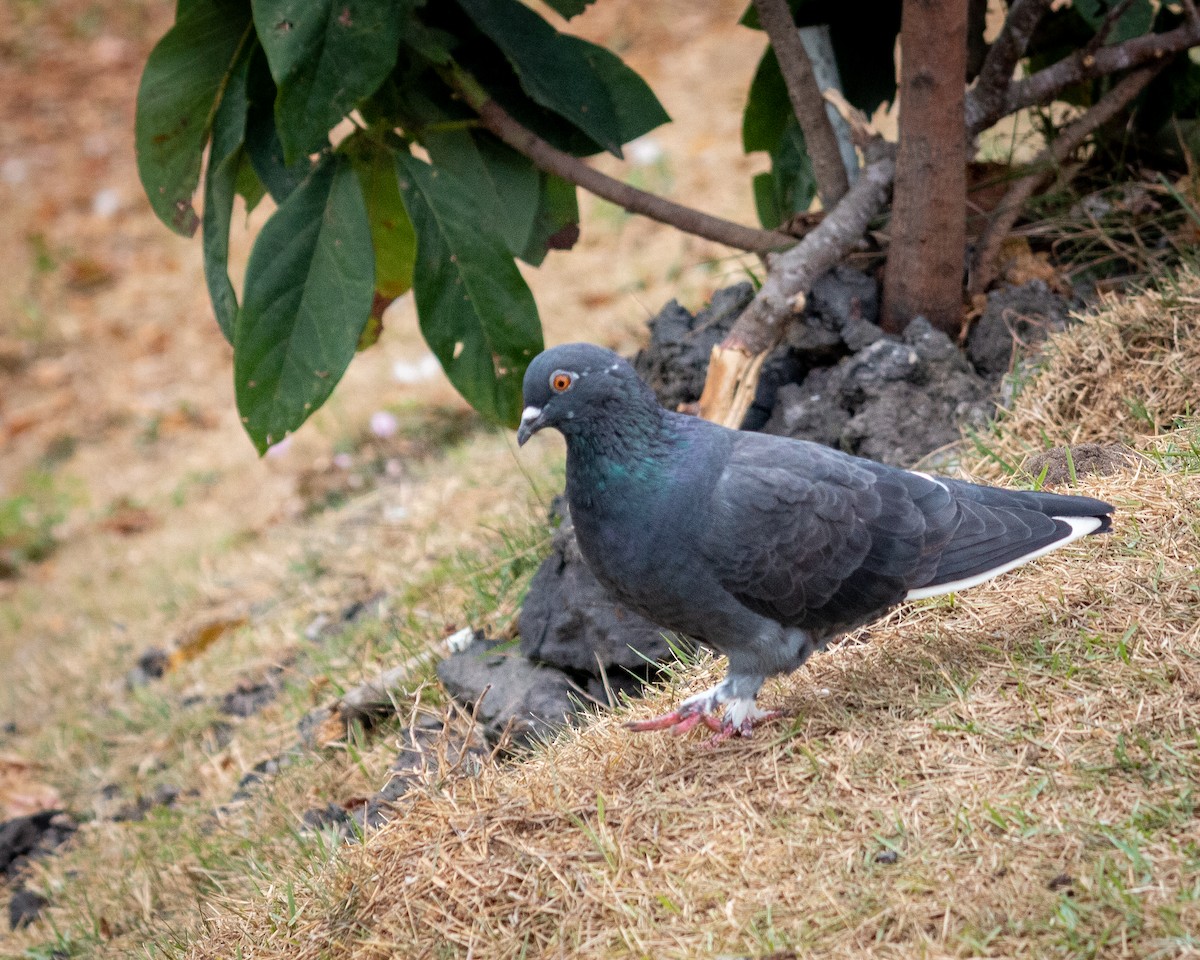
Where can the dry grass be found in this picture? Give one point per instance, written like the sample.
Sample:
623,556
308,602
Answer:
1009,773
1131,370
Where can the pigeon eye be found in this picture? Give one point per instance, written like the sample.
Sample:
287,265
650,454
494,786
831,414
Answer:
560,380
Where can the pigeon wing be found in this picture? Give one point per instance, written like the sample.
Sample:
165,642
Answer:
818,540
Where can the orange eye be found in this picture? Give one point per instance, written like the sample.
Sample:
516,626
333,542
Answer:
560,380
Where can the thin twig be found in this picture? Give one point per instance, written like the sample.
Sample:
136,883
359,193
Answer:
1100,38
549,158
805,95
996,74
1069,139
1043,86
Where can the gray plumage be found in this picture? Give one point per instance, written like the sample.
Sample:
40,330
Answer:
762,547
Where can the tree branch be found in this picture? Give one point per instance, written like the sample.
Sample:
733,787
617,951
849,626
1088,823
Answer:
1043,86
805,95
549,158
984,267
995,76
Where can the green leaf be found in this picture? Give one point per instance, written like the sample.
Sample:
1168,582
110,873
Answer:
638,109
569,76
325,56
767,107
225,161
504,183
569,8
475,311
247,185
309,286
1134,22
556,223
769,124
392,233
262,139
181,86
766,201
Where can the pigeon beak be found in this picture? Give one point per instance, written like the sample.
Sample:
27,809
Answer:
531,423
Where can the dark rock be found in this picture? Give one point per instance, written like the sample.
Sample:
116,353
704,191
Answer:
895,400
887,857
509,692
869,372
261,771
249,697
151,665
840,315
901,425
617,684
676,361
22,838
569,621
24,908
425,746
1099,459
1063,880
164,796
330,815
1015,317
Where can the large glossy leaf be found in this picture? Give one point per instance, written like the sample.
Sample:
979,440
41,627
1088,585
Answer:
392,233
263,146
769,124
767,107
180,89
309,287
569,76
504,183
325,56
475,311
556,223
225,161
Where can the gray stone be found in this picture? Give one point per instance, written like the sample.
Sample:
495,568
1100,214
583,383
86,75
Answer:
845,295
804,415
24,908
509,692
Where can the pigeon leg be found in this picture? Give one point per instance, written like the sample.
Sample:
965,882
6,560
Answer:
740,718
698,709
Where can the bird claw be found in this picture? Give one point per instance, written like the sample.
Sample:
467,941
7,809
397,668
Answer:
692,713
678,721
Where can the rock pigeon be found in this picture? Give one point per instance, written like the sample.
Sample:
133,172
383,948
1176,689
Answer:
763,547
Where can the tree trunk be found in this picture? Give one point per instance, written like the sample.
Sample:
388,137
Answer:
924,274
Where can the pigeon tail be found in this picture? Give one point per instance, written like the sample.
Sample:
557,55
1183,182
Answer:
1067,530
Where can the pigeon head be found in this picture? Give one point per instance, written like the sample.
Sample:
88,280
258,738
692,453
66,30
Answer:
577,385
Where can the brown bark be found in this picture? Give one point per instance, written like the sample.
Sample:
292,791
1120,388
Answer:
928,227
807,102
1043,86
